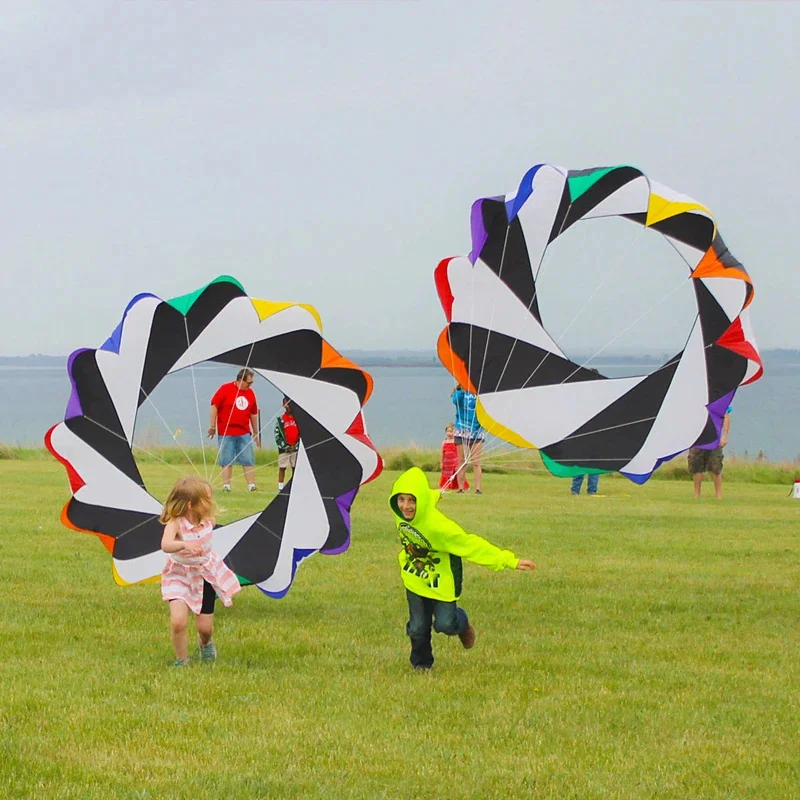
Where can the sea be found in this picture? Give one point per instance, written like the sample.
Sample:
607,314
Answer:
410,405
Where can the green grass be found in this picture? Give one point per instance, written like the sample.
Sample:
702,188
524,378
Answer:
653,654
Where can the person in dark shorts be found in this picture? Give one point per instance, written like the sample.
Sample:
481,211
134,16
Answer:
702,461
469,437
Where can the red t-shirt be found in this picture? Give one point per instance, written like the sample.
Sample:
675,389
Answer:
234,409
290,430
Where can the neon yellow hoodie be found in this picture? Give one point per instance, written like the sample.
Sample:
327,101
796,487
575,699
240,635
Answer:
433,545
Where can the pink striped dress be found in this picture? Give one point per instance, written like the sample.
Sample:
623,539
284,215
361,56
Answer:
182,577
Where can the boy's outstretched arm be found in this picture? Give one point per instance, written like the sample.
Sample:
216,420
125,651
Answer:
478,550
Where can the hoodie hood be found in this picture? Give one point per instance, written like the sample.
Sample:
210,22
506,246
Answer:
413,481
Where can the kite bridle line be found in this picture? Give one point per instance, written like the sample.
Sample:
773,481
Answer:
652,308
620,259
275,535
677,288
487,451
635,322
175,438
502,442
307,449
467,450
494,306
196,399
535,293
139,447
272,419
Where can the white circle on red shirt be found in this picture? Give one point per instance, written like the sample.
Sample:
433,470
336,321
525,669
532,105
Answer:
242,403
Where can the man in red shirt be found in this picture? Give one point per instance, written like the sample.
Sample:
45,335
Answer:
234,417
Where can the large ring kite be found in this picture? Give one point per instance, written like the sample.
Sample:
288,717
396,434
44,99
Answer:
529,392
281,342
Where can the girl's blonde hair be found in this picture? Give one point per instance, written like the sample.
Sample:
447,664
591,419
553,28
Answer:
188,491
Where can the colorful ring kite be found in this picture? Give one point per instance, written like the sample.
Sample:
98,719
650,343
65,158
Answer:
281,342
529,392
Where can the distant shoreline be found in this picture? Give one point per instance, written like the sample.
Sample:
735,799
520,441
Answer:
405,359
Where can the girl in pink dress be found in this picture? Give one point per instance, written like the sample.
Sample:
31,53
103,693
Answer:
194,575
449,461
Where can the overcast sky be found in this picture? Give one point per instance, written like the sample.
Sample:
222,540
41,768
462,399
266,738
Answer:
329,152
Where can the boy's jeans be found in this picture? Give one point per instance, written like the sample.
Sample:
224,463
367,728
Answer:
591,484
425,614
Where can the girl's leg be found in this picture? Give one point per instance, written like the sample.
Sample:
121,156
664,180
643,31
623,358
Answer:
205,628
204,622
178,620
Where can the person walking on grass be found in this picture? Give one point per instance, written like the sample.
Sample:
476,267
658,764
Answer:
702,461
592,481
432,546
469,437
234,417
194,574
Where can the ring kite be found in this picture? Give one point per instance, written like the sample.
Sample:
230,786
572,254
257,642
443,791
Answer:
283,343
529,392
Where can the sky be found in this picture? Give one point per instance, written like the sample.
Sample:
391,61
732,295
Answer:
329,152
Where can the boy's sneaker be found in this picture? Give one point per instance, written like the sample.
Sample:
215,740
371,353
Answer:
208,652
179,662
226,487
251,487
467,636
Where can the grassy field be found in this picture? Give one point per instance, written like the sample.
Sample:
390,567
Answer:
653,654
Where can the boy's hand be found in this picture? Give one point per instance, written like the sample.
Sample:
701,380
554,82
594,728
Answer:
525,564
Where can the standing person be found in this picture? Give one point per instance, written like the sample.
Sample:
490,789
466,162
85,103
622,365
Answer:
701,461
448,461
287,438
194,574
469,436
234,417
430,565
593,479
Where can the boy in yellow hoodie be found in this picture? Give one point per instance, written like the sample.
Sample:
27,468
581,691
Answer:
430,564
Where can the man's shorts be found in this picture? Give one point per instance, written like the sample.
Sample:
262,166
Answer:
236,450
287,459
468,441
705,461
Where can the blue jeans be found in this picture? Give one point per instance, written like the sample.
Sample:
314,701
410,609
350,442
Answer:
424,615
591,486
236,450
